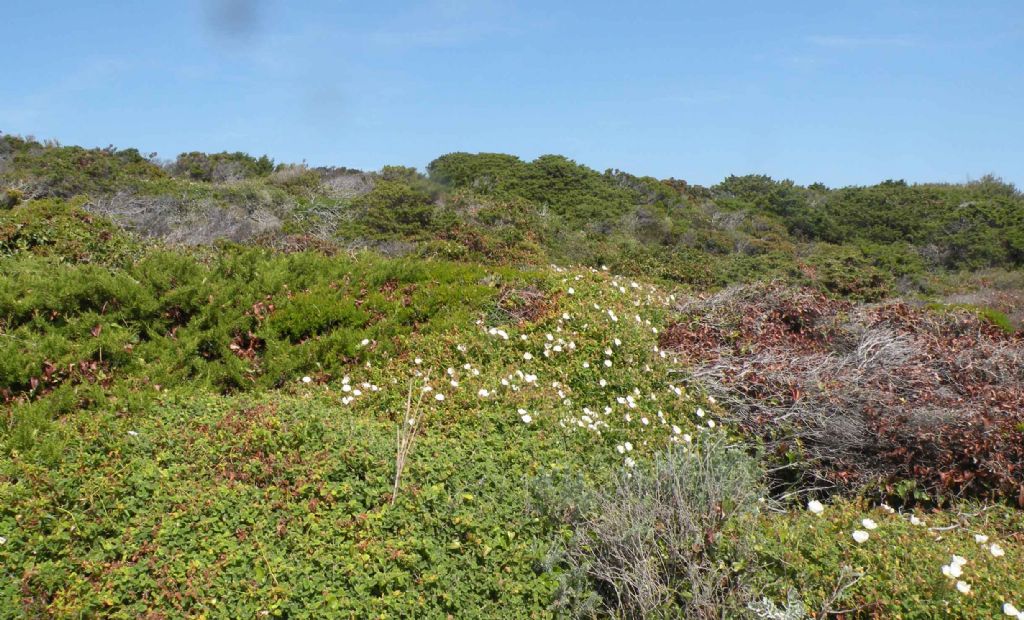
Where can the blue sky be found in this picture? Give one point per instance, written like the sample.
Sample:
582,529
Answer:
839,92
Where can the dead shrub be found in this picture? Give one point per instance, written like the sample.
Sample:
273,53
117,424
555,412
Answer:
844,395
523,305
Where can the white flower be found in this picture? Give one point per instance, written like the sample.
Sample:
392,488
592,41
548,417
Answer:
527,356
963,587
586,364
527,418
676,430
981,539
572,291
418,360
439,397
630,462
133,433
483,393
953,570
1009,609
711,399
700,412
3,540
860,536
711,424
628,446
687,438
815,506
996,550
959,560
307,379
364,342
621,449
869,524
603,383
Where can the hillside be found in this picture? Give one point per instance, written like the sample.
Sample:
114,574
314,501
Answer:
499,388
862,242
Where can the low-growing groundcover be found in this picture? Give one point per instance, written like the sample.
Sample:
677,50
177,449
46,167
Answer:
212,433
156,485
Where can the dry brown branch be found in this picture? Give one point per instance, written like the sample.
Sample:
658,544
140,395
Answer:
407,432
880,392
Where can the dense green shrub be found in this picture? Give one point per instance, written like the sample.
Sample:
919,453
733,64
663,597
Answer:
220,166
394,208
10,198
575,192
64,171
65,231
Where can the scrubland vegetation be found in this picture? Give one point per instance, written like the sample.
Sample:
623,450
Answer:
234,388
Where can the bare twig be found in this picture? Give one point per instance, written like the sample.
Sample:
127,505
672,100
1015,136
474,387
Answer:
407,432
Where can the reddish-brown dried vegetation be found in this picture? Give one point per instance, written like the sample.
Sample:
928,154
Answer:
845,394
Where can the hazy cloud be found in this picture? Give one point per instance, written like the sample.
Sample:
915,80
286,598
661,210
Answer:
856,42
93,74
444,23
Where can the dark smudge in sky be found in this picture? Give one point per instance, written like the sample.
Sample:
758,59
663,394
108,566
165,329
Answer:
233,18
